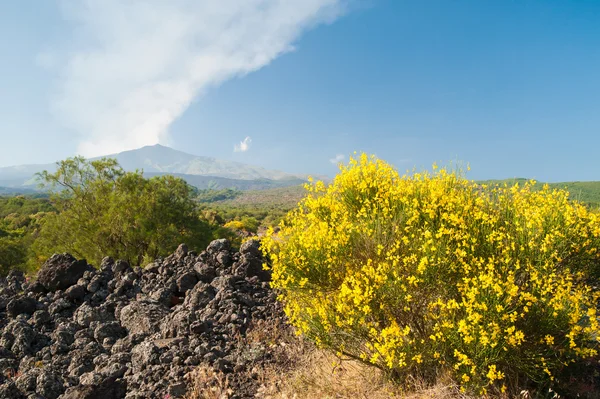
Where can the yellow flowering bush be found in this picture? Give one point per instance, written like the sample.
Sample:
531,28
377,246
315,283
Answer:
430,271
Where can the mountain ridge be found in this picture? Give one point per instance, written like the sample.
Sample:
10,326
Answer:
158,160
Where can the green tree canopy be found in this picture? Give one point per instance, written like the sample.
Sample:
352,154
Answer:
104,211
12,254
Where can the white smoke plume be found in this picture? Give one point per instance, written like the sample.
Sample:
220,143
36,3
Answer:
135,66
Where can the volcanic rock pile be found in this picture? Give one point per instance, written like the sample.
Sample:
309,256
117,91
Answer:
123,332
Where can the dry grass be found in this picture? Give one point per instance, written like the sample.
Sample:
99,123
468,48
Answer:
208,384
296,369
319,373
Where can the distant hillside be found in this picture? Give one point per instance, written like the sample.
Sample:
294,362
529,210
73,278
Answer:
219,183
585,191
267,207
286,197
15,191
200,171
161,159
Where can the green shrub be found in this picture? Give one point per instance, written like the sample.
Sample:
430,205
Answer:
13,254
104,211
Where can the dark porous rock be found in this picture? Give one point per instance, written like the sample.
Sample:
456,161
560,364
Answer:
62,271
251,247
107,264
152,267
121,266
223,365
18,337
111,330
64,334
34,287
177,390
10,390
96,283
15,279
8,365
113,370
91,378
25,364
162,295
123,332
144,355
23,305
219,245
60,306
251,261
224,258
199,327
122,345
3,302
186,282
206,273
86,314
109,388
249,266
225,282
81,362
199,296
142,317
27,381
49,384
75,292
181,251
177,323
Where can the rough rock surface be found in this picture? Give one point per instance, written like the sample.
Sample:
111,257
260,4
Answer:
123,332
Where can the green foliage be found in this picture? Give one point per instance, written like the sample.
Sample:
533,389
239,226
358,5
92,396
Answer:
208,196
268,207
587,192
432,273
12,253
105,211
20,218
23,205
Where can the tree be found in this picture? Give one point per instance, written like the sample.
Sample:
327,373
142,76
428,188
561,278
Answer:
19,220
104,211
12,253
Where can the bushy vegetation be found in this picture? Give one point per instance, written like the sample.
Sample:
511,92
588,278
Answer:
20,218
433,273
104,211
587,192
267,207
209,196
98,209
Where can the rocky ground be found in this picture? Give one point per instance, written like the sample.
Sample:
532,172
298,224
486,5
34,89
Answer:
123,332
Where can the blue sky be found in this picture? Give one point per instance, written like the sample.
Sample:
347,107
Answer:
511,87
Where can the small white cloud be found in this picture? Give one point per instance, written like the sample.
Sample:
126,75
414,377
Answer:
243,145
338,158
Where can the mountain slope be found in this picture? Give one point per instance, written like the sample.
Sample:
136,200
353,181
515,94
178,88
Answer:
161,159
219,183
158,159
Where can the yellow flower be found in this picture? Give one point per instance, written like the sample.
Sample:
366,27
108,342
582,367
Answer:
494,374
431,266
